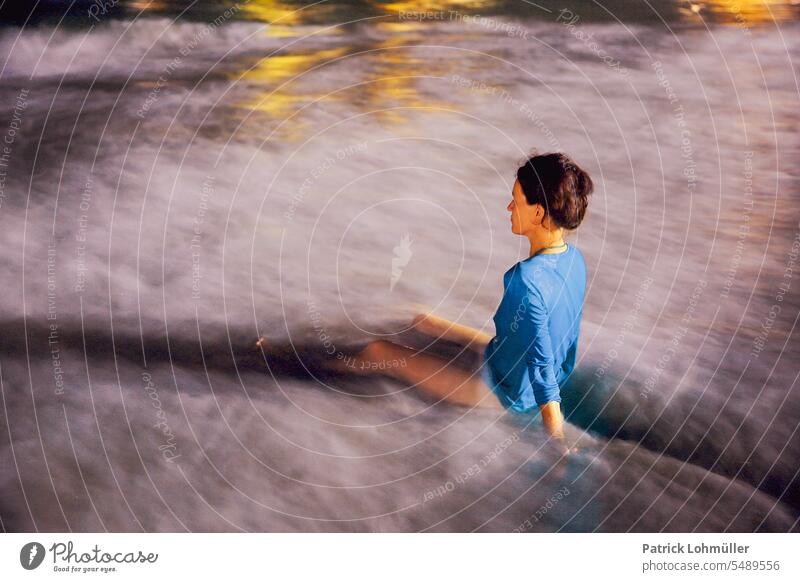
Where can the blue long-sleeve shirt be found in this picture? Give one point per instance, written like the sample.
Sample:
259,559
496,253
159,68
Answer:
537,326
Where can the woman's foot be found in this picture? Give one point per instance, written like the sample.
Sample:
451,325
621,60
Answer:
431,325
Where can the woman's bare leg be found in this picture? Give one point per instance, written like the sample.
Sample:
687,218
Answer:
430,373
439,327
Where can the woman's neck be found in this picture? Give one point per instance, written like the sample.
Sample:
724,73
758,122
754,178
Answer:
543,239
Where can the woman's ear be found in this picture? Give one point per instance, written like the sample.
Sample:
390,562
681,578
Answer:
539,214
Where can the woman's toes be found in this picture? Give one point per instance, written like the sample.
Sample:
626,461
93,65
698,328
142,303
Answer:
426,323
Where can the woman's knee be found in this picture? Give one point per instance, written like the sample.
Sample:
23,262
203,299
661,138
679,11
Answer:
379,349
386,358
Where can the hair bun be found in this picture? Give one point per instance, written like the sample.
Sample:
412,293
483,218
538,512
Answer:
556,182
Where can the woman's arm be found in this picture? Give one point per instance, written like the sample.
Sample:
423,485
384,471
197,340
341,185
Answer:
539,359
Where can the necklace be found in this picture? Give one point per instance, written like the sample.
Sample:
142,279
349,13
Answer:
563,244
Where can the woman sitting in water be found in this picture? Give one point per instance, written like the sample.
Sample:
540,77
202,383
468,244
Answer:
539,316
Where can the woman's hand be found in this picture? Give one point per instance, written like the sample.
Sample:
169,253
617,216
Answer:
553,420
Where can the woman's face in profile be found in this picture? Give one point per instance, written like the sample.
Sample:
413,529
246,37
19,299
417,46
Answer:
524,216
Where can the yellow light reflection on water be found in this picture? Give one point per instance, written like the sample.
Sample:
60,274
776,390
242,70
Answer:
280,67
386,75
145,5
389,79
278,73
283,16
433,5
741,12
272,11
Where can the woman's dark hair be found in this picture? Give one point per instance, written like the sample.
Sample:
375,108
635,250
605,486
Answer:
559,185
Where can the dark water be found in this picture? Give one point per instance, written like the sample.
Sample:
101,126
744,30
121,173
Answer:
177,182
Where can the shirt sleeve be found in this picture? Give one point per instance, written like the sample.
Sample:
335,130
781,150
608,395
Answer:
539,356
